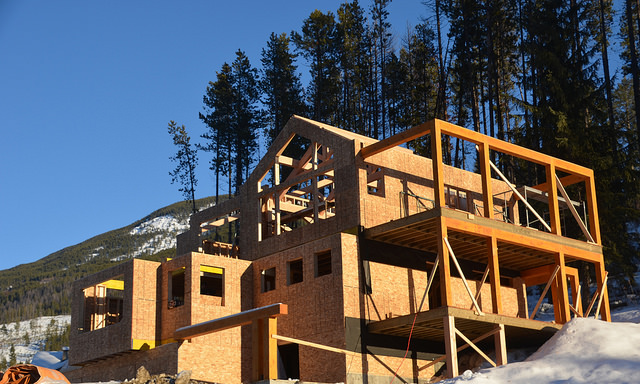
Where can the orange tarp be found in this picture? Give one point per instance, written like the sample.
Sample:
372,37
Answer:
32,374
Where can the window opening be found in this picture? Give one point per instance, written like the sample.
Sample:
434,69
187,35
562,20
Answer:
295,271
323,263
297,201
176,288
375,180
290,358
211,281
103,304
268,279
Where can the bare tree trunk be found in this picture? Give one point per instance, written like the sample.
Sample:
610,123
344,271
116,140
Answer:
634,67
607,76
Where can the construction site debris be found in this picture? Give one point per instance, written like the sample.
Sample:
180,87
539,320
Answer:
144,377
32,374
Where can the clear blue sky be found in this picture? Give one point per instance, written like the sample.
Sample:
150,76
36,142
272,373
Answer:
86,91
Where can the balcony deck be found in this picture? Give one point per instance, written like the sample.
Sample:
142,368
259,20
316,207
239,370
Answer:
429,325
519,248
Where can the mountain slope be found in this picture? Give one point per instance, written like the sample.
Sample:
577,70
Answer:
44,286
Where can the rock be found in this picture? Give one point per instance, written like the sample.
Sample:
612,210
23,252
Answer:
142,375
183,377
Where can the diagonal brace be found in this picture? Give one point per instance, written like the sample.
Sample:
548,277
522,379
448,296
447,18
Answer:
464,280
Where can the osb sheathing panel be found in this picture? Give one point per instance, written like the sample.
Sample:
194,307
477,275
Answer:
409,173
139,299
198,308
513,299
222,349
218,357
315,306
346,204
395,291
163,359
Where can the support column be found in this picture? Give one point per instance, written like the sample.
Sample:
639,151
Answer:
265,349
485,172
444,261
451,349
500,341
554,210
315,195
594,224
494,270
562,311
276,195
438,168
605,312
574,283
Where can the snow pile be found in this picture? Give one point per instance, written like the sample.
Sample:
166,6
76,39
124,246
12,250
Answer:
583,351
29,336
50,359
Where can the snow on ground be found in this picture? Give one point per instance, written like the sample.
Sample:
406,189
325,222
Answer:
583,351
29,336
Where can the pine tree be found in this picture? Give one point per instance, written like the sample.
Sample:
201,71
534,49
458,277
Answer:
218,105
12,355
418,56
630,56
246,116
318,44
381,38
187,160
280,85
355,65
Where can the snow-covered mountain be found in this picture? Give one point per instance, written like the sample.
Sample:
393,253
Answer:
47,288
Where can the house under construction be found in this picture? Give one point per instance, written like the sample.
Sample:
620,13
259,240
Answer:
348,259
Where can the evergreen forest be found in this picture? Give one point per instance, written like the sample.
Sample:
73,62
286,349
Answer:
557,76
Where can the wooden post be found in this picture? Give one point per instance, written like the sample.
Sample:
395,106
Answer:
485,172
450,346
575,293
494,266
594,224
554,211
276,195
438,167
563,293
605,311
315,195
500,342
444,261
265,351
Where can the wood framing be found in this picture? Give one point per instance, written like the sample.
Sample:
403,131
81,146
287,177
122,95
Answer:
231,321
372,250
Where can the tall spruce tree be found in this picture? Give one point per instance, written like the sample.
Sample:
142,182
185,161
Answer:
318,44
247,118
381,38
187,159
280,85
355,64
218,106
420,60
